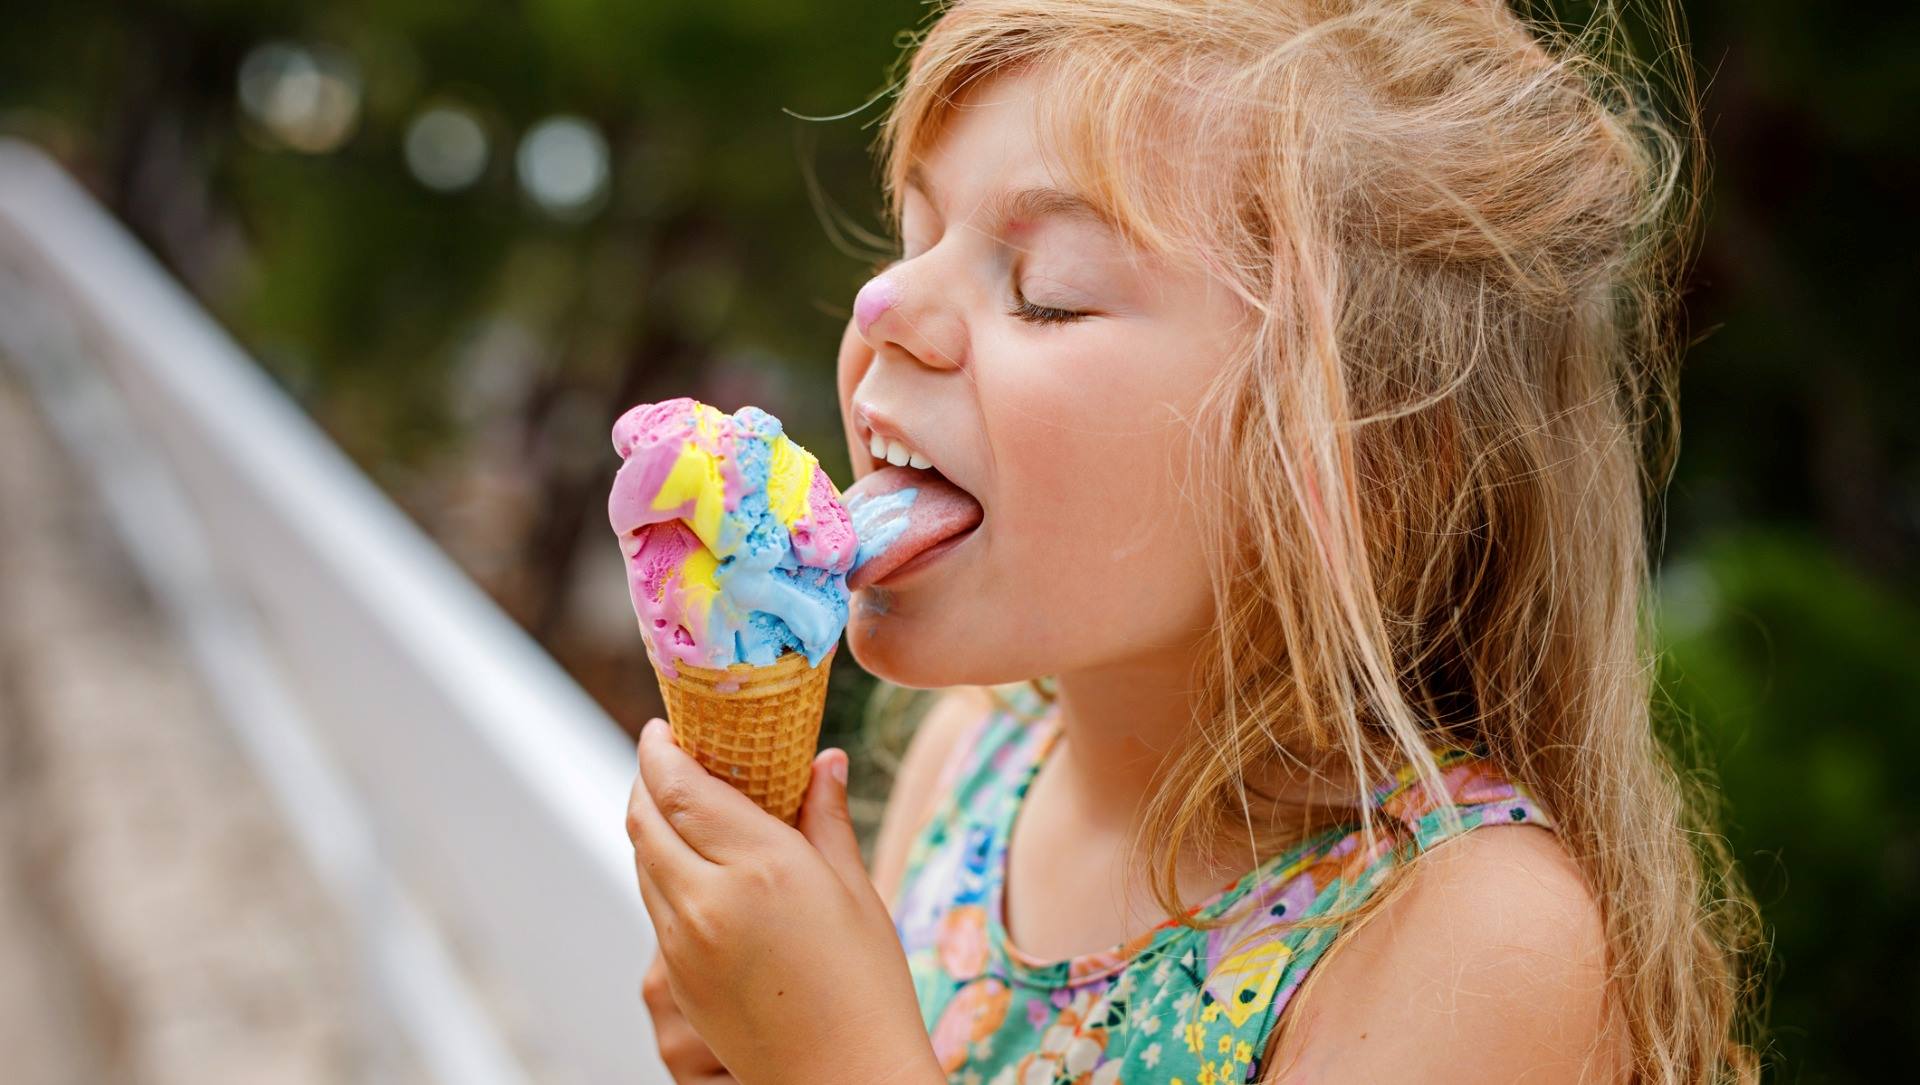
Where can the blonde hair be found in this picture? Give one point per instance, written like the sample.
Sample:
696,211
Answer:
1434,464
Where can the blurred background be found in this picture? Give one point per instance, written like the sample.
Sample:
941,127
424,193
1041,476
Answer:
463,238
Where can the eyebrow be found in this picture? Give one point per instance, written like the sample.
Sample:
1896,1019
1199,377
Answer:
1025,203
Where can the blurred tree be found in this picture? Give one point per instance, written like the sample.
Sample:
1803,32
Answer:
360,286
1795,400
1798,674
468,347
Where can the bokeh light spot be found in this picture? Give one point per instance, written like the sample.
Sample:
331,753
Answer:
306,97
563,164
446,148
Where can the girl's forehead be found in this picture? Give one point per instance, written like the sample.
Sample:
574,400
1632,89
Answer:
995,156
1023,198
995,137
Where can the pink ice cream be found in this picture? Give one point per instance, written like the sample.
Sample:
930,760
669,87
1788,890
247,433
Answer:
736,543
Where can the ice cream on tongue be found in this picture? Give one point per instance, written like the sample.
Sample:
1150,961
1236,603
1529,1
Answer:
900,513
736,543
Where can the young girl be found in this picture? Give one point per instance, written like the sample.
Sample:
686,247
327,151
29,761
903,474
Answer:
1308,361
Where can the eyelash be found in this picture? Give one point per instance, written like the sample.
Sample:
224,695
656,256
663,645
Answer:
1022,309
1038,314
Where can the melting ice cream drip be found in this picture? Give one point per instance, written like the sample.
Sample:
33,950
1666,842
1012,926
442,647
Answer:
878,521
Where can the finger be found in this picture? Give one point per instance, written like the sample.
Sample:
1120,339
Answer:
681,1048
646,862
687,1056
708,815
664,862
690,1057
828,825
654,990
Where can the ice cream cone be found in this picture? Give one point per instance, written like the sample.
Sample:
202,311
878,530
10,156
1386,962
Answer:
754,727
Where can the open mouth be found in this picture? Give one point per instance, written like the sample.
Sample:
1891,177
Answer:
905,518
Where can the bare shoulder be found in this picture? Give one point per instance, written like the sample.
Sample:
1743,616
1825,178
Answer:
913,796
1490,965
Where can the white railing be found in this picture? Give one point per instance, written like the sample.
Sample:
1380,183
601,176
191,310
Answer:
460,795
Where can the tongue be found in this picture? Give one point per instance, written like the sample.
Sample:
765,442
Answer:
900,512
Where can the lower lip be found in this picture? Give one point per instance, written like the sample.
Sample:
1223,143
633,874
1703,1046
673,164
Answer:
925,558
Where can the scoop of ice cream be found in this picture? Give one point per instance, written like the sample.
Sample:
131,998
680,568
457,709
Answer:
901,512
736,543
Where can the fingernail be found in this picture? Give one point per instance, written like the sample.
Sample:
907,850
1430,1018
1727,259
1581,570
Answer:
649,725
839,767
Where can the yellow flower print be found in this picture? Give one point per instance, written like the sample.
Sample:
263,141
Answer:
1207,1076
1249,979
1226,1044
1243,1052
1210,1013
1196,1036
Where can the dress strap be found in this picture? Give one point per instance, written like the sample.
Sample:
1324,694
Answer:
1345,873
1480,791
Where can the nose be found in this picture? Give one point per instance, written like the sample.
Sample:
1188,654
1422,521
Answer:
881,293
896,308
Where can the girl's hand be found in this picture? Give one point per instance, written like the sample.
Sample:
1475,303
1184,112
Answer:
776,947
688,1058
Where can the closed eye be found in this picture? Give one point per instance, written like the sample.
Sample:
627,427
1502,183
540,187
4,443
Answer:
1040,314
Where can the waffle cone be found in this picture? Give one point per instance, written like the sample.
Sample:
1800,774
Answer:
754,727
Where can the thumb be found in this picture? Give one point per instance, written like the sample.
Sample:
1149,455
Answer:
825,821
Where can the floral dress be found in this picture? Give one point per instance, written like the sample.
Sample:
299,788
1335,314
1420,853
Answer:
1172,1004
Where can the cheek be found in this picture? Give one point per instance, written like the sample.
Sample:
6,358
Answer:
1092,552
1063,585
1099,524
1116,546
1100,432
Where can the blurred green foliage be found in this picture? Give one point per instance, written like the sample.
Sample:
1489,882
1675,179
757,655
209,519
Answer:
705,269
1798,675
468,342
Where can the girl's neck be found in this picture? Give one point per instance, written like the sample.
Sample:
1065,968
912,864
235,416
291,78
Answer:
1118,722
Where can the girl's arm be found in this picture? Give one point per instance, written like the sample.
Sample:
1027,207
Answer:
914,796
1491,966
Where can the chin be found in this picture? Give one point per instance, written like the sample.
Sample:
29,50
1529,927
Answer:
896,647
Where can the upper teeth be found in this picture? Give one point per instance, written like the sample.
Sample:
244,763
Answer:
896,453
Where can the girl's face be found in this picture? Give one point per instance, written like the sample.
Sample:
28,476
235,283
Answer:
1071,431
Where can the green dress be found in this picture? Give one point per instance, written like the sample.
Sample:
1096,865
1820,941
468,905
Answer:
1172,1004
